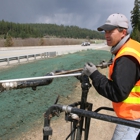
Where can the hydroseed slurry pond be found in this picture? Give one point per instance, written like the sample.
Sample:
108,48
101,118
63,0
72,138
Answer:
21,108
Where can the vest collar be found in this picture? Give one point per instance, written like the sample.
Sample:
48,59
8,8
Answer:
116,48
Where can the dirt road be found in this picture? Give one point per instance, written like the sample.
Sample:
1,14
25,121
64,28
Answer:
17,51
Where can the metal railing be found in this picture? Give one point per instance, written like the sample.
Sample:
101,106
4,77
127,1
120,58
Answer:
35,56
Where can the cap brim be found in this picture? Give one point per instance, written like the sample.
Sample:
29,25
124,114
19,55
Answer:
106,27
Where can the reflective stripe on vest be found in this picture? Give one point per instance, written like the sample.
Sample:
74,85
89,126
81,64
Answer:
132,100
131,50
136,89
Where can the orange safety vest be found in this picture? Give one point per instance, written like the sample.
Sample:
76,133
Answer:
130,107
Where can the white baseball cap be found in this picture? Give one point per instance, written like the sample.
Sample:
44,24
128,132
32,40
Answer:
114,21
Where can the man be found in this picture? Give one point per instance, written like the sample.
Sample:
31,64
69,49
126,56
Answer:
123,85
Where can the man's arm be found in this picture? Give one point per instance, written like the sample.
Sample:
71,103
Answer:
126,73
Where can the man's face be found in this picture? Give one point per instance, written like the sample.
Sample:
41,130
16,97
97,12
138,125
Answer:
113,37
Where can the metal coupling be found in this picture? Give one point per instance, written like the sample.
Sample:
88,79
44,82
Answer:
67,108
9,85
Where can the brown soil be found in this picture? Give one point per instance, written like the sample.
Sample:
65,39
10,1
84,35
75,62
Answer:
99,130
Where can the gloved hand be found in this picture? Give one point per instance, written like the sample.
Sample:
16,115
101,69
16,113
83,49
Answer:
89,68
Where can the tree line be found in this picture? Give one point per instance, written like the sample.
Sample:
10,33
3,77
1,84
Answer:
17,30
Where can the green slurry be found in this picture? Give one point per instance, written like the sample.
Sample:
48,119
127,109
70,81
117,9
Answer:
21,108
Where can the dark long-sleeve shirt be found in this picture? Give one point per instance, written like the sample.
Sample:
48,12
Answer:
125,75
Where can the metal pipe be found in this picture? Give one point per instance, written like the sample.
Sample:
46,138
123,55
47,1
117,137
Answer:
39,78
69,71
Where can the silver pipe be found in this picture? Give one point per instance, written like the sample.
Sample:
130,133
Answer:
39,78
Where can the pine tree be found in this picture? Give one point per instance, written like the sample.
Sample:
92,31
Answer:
9,42
135,20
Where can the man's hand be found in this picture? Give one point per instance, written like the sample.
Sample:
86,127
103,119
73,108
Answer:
89,68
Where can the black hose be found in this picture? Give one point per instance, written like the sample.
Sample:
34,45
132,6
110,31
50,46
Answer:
104,117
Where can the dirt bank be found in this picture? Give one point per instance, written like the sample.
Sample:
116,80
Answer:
99,130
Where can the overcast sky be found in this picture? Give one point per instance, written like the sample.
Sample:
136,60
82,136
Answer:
82,13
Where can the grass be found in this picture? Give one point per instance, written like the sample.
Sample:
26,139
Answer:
46,41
